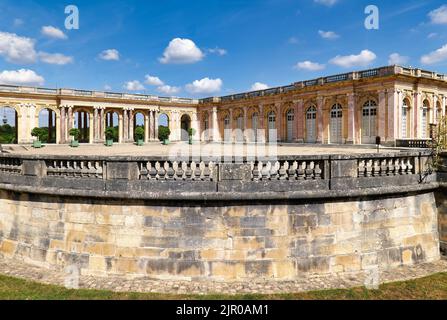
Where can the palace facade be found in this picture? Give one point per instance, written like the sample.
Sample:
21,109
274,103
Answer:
393,103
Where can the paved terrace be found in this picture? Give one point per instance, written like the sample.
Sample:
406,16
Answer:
215,149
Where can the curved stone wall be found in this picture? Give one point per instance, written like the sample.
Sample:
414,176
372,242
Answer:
170,237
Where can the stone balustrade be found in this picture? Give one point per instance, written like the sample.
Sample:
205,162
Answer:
214,178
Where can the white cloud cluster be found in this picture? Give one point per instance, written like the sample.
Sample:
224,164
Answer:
205,86
55,58
110,55
169,90
397,59
309,66
17,49
21,50
53,32
259,86
218,51
439,16
330,35
23,77
134,85
365,58
153,81
328,3
182,51
436,56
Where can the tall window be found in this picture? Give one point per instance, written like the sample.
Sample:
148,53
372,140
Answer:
424,119
369,122
337,124
272,126
404,128
227,128
311,124
290,125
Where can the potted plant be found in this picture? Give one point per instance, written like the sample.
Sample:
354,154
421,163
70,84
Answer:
139,136
37,133
109,137
74,133
163,134
191,133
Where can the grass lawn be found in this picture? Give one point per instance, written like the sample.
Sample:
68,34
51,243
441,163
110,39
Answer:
432,287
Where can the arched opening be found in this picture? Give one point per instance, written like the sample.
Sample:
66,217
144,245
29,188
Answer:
311,125
138,122
227,128
255,126
163,122
336,124
185,126
272,133
82,122
290,125
8,126
405,123
424,119
47,122
112,121
369,122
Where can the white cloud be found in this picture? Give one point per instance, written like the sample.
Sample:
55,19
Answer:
330,35
17,49
182,51
18,22
205,86
133,86
110,55
21,77
53,32
397,59
439,16
55,58
153,81
435,56
432,35
326,2
259,86
309,66
107,87
293,40
365,58
169,90
218,51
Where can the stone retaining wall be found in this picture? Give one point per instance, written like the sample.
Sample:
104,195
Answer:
215,220
219,241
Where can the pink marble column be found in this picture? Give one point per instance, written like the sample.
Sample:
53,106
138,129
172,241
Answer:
351,119
299,120
63,129
381,111
320,126
125,126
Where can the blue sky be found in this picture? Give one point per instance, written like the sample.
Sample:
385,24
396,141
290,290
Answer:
209,48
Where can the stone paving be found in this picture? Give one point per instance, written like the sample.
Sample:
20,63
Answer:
123,284
156,149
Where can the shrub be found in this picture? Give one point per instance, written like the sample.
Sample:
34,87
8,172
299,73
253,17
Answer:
110,133
139,133
163,133
192,132
39,133
75,133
